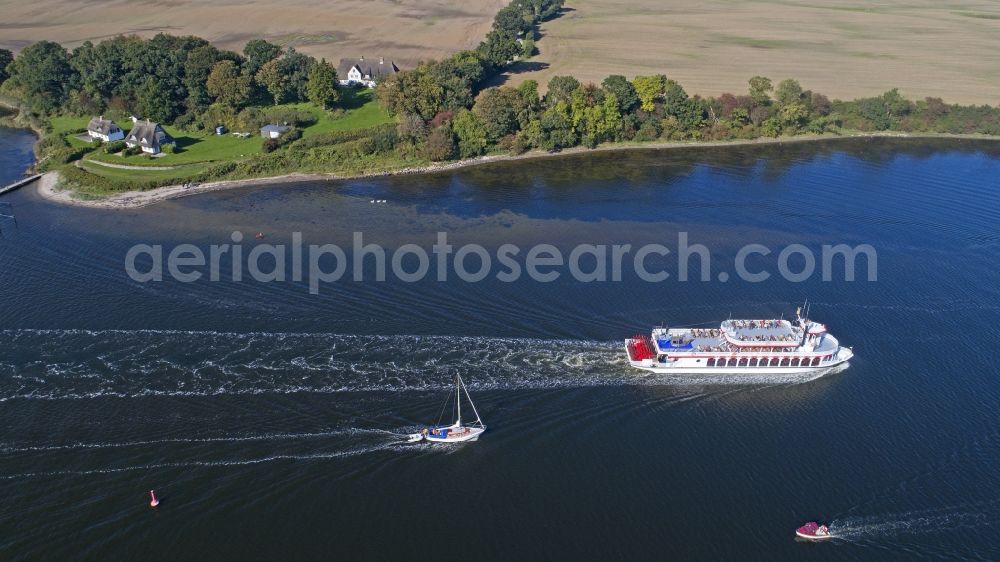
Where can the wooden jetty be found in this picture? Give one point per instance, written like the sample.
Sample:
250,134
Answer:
19,184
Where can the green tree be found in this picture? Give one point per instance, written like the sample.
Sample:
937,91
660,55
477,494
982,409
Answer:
530,103
883,111
197,67
295,66
228,86
473,137
497,109
601,122
322,85
760,90
467,65
44,75
528,49
150,102
771,127
895,104
623,90
411,91
674,97
259,52
787,92
6,57
649,89
561,89
499,47
274,81
793,115
555,129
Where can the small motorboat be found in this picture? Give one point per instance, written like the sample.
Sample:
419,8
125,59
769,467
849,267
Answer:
813,531
457,432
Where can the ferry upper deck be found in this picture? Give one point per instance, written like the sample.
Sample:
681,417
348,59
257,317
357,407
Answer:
745,335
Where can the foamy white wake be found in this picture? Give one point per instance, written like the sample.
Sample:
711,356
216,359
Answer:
82,364
918,522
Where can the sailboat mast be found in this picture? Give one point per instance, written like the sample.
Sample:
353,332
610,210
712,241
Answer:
458,398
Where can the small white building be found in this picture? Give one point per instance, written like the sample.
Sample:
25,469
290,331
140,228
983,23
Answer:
360,72
273,131
104,130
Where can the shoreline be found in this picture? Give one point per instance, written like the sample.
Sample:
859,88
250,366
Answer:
48,185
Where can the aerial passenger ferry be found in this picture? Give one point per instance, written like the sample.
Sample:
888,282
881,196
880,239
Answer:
769,347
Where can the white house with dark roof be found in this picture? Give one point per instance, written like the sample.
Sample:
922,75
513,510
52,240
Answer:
105,130
364,72
149,136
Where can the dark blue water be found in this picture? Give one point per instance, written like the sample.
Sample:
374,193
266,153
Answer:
266,416
16,156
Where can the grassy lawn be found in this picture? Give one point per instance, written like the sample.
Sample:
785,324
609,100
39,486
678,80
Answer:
192,147
61,124
179,174
360,111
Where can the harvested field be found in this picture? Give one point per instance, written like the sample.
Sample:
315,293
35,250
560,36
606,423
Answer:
843,48
403,30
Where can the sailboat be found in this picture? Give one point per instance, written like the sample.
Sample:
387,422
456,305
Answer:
456,432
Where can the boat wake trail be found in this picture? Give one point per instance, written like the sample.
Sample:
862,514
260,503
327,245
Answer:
920,522
8,448
67,364
344,444
81,364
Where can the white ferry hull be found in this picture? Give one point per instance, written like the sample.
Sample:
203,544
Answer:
685,367
740,347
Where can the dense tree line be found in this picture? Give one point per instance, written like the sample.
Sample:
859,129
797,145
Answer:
166,78
646,108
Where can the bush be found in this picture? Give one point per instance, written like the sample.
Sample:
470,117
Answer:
50,143
115,147
384,140
648,131
64,156
133,150
187,122
440,145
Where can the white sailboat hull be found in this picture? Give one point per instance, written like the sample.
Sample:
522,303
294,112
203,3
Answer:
456,432
456,435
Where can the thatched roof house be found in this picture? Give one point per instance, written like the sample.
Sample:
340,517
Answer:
104,129
362,71
149,136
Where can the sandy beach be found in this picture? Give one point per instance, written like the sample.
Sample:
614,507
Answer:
49,187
